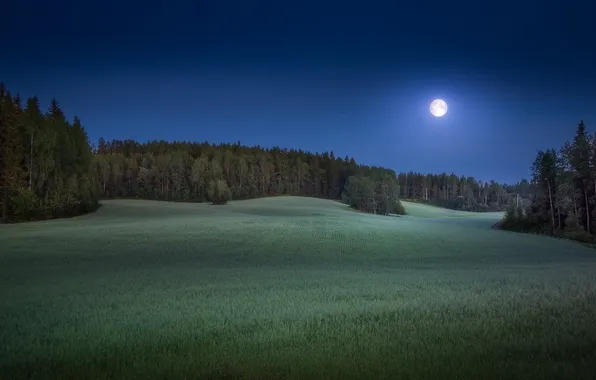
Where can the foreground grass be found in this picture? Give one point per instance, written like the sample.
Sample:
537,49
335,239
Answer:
291,288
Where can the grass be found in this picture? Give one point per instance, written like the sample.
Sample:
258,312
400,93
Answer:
421,210
292,288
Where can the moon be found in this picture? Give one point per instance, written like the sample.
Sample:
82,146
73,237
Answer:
438,107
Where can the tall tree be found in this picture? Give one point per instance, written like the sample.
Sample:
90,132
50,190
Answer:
33,123
578,155
544,173
11,150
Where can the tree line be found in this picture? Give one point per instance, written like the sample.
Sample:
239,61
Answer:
200,172
462,193
563,201
48,169
189,171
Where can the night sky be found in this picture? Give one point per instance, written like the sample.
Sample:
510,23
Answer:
352,77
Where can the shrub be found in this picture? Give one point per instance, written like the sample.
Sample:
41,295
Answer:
219,192
579,235
398,207
24,204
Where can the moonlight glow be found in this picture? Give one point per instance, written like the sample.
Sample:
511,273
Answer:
438,107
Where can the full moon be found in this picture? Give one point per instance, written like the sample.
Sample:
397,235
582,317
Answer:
438,107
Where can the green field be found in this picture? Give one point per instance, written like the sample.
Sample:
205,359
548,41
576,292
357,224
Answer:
295,288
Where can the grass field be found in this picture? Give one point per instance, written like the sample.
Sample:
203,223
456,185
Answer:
291,288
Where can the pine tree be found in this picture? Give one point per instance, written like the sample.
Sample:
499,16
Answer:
33,123
3,129
544,172
578,155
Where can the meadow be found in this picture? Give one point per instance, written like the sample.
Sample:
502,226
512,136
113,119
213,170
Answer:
291,288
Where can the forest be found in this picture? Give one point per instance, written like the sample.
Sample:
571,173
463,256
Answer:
49,169
563,201
45,162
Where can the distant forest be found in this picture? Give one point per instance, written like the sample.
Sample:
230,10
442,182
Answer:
49,169
183,170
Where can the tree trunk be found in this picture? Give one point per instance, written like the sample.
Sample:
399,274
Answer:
575,212
31,161
4,215
550,199
594,189
587,209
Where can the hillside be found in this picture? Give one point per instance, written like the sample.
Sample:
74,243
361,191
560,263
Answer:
290,287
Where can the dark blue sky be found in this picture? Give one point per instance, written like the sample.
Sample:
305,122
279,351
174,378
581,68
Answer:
352,77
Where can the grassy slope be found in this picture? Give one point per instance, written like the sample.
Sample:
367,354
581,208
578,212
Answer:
421,210
293,288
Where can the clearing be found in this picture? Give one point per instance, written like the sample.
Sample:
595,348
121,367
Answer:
291,287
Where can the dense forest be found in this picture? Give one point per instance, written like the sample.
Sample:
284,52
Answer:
45,162
563,201
49,169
